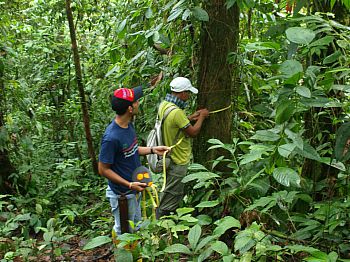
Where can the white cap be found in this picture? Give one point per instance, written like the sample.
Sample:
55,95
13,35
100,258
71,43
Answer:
180,84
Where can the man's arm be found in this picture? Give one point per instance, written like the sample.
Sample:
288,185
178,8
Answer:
106,171
193,130
159,150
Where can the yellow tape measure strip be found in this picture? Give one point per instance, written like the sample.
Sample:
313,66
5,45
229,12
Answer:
219,110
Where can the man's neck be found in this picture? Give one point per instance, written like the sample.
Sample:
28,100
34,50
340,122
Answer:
178,95
123,121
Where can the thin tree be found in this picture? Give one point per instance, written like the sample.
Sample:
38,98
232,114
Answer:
6,166
216,79
78,73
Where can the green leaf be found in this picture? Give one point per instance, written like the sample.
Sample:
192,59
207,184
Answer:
246,257
333,257
189,218
286,149
332,3
205,241
266,135
204,220
220,247
230,3
97,241
127,237
303,91
124,255
300,248
289,68
243,244
24,217
208,203
194,235
284,111
309,152
121,26
286,176
184,210
200,14
149,13
343,43
200,176
296,138
136,57
224,224
258,46
175,13
300,35
252,156
322,41
332,58
178,248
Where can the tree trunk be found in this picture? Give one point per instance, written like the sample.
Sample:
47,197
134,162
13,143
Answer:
6,167
216,81
84,108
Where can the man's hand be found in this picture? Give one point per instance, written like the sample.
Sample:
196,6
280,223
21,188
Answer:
199,113
155,80
159,150
203,113
138,186
194,116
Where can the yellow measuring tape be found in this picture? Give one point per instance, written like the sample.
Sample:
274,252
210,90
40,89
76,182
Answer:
154,200
220,110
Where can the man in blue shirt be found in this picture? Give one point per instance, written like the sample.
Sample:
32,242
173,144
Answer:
119,155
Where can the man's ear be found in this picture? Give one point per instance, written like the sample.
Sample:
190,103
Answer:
130,109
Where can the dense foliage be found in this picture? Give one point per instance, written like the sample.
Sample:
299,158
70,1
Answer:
285,194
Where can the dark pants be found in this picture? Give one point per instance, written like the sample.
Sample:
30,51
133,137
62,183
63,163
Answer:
174,189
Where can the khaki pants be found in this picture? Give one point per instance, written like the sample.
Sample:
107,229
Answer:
174,189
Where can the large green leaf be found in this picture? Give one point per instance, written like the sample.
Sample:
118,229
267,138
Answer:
286,149
208,203
225,224
220,247
300,35
303,91
175,13
178,248
124,255
289,68
230,3
184,210
194,235
266,135
286,176
97,241
284,111
200,176
322,41
332,57
308,152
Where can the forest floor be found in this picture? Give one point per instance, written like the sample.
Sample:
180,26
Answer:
73,252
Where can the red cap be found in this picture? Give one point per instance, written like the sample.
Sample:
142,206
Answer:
129,94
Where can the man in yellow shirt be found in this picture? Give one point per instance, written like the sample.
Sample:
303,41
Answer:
175,127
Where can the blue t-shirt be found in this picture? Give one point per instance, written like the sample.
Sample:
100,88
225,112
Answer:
119,148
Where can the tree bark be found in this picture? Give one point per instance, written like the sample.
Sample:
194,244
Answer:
78,73
216,81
